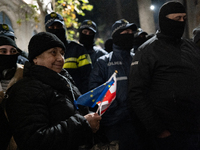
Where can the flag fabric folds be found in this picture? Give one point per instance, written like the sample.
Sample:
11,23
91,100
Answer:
109,97
98,94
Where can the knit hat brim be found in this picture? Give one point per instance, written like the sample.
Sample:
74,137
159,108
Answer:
5,40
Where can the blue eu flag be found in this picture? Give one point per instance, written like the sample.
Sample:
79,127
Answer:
91,98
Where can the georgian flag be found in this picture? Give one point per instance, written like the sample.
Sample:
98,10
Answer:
109,96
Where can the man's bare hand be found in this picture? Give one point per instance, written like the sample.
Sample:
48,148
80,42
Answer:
94,121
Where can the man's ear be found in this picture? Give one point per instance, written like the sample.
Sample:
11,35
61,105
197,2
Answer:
35,60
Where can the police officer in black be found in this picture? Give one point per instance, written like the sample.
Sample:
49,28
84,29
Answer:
117,123
87,32
7,30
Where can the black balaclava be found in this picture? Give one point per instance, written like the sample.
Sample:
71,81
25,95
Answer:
8,61
139,41
168,26
86,40
108,45
124,41
60,33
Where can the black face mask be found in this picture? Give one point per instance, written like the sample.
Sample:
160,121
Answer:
7,62
172,28
60,33
86,40
125,41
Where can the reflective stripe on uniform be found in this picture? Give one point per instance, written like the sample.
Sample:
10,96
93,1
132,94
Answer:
122,78
74,63
134,63
71,63
84,60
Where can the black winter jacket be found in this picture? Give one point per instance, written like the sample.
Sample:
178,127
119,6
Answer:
165,83
105,66
41,112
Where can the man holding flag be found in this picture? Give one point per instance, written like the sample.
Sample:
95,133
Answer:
116,123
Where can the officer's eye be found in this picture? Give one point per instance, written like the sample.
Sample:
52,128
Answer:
13,51
3,51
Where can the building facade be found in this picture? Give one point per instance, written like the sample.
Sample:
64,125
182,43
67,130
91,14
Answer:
17,14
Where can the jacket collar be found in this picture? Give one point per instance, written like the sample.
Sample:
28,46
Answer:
57,81
118,51
168,39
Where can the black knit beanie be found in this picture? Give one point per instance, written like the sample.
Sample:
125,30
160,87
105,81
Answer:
5,40
42,42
